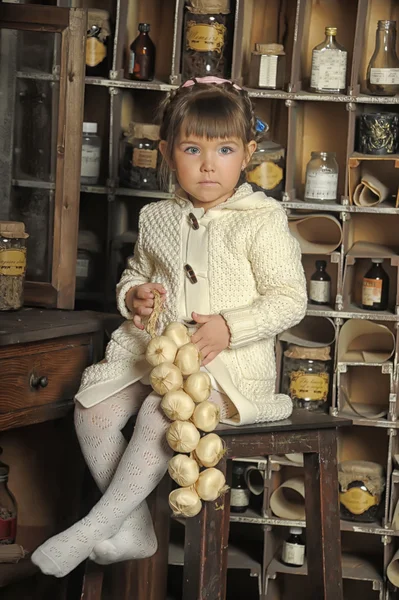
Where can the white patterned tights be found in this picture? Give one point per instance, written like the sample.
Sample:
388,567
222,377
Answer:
119,526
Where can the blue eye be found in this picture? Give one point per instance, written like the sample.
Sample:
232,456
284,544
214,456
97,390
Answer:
192,150
226,150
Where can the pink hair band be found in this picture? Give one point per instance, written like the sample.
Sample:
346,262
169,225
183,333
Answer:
209,79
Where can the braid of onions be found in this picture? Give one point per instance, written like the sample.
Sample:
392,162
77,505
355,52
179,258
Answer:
185,391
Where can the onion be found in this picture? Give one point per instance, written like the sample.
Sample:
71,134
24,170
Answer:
188,359
177,405
185,502
178,333
211,484
161,349
206,416
183,469
166,377
210,450
182,436
198,386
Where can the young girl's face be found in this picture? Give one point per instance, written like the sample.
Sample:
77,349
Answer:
208,169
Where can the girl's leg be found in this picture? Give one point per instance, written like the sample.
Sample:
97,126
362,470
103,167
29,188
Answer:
140,469
102,443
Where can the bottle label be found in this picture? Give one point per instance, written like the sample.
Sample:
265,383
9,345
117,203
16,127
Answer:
321,186
293,554
371,291
357,501
268,71
95,52
328,69
205,37
13,262
145,159
384,76
319,291
82,267
239,497
267,175
8,530
90,164
309,386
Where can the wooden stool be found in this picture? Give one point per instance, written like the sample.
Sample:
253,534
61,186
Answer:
206,536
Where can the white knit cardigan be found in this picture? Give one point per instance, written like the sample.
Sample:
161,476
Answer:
256,282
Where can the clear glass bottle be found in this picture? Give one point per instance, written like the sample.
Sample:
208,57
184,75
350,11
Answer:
142,55
91,155
383,68
8,508
239,493
375,288
321,177
320,284
267,168
329,60
293,553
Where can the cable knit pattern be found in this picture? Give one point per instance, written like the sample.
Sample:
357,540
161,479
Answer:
256,282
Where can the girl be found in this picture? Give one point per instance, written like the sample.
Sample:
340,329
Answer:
221,256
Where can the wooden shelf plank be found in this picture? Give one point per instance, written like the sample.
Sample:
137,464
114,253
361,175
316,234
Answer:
238,558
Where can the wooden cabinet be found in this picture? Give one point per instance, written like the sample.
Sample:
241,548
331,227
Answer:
41,106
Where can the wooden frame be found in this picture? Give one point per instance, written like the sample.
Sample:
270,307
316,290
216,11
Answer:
71,24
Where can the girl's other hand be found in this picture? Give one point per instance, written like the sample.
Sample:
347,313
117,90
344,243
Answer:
140,301
212,336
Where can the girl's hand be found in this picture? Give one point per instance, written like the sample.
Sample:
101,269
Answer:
212,336
140,301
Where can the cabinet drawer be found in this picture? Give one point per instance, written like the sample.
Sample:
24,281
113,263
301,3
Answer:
43,378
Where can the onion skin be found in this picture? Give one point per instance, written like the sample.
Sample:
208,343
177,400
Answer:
198,386
185,502
188,359
210,450
206,416
183,470
177,406
166,377
183,436
159,350
211,484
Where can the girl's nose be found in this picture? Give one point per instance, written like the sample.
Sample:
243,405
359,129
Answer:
207,164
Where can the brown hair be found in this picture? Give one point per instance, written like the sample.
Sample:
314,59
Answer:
205,110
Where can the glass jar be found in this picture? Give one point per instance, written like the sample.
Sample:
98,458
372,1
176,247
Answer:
91,155
207,45
361,490
329,61
378,133
321,177
12,264
140,157
306,377
267,168
98,32
8,508
239,492
267,68
383,68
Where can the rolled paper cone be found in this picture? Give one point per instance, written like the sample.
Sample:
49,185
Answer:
288,500
365,341
255,480
370,191
316,234
311,332
393,570
295,457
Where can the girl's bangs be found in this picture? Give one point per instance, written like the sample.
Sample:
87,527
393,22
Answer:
216,117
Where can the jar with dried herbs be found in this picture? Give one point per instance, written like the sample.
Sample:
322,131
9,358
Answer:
12,264
97,43
140,157
361,490
207,43
306,376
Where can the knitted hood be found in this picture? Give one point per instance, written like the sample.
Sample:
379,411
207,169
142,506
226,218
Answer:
243,199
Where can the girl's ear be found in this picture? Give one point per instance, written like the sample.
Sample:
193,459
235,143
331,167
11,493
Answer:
163,146
251,147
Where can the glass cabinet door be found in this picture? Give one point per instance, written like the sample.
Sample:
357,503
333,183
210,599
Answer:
42,56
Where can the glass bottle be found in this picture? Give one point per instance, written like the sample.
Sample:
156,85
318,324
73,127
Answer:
142,55
383,68
320,284
375,288
329,60
321,177
267,168
91,155
293,553
12,264
8,508
239,493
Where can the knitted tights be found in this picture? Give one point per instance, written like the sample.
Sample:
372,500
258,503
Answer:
119,526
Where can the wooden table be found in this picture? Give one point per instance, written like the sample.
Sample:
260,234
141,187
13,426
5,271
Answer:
42,356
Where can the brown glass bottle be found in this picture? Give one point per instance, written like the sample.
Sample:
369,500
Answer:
142,56
239,492
320,284
375,289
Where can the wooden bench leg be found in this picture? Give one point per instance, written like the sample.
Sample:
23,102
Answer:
92,581
323,537
205,550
